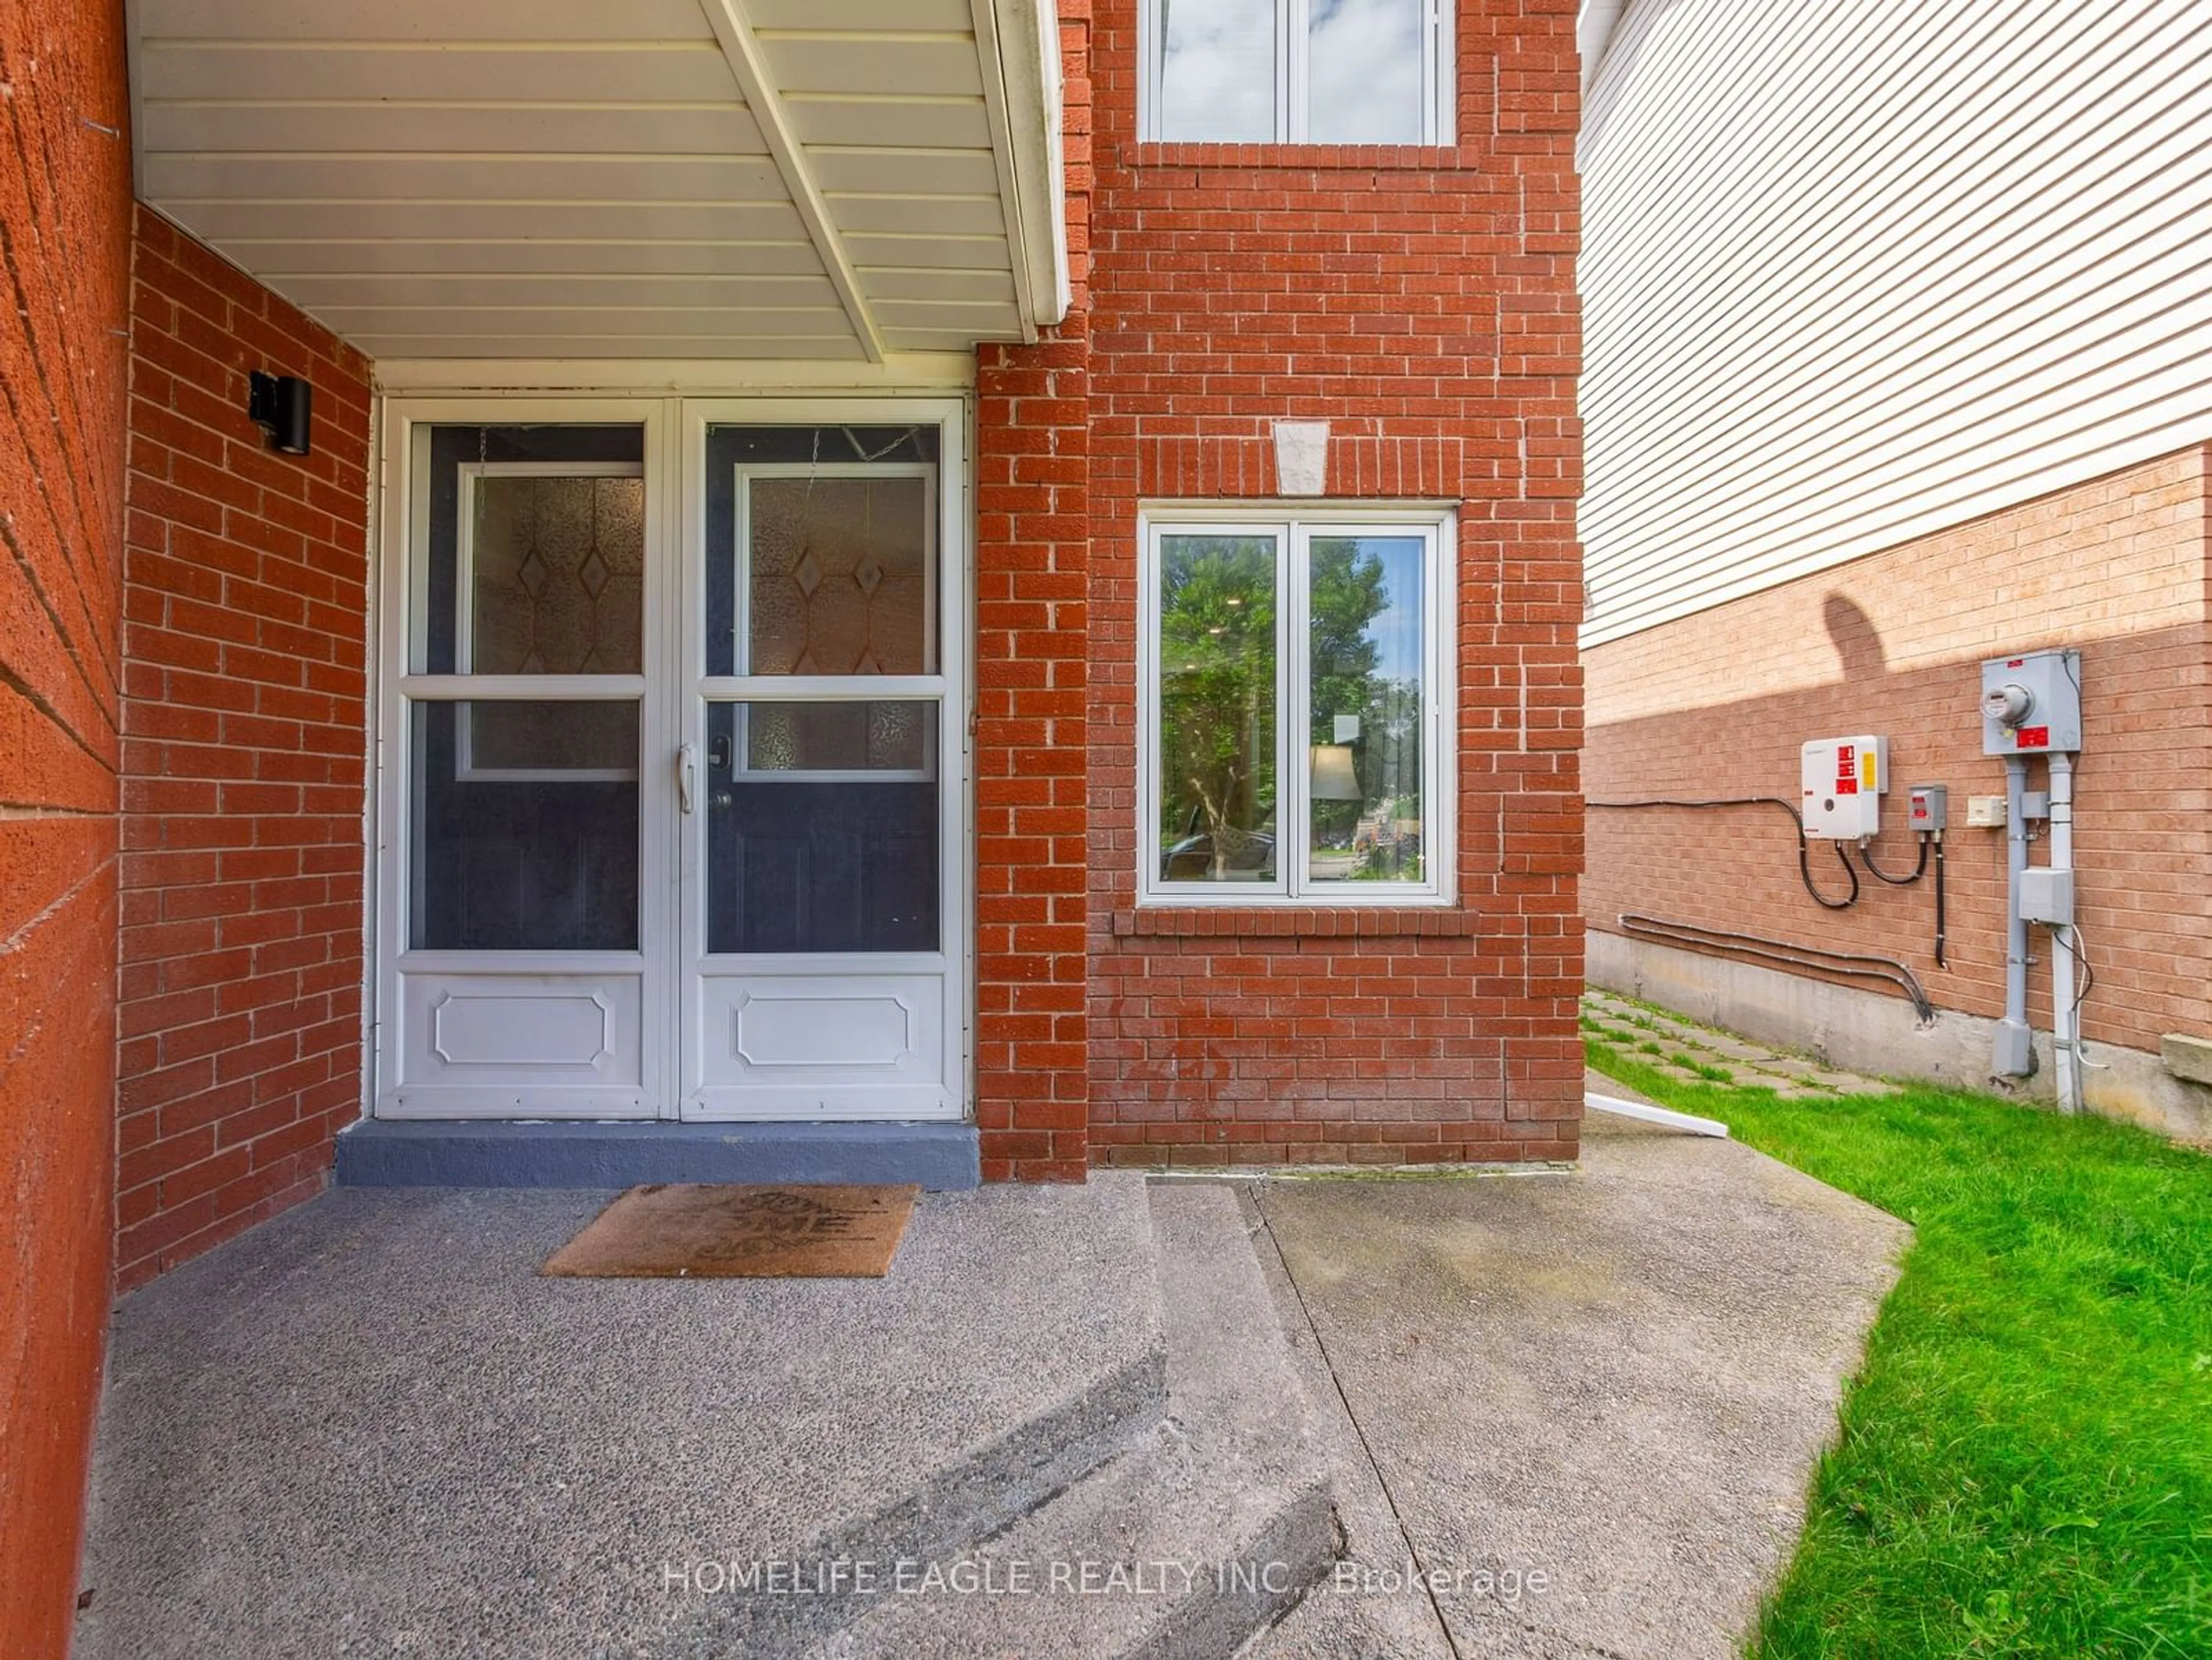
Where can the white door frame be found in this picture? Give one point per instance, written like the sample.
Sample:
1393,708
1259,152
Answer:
672,710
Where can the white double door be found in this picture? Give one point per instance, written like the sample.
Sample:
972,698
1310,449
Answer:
669,762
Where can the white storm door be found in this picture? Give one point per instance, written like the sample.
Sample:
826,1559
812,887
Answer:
821,822
524,909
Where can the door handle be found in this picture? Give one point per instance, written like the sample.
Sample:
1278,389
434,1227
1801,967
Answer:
687,776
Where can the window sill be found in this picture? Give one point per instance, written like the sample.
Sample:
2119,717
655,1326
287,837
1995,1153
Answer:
1294,921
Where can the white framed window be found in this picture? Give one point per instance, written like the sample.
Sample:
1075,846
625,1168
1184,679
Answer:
1294,690
1298,72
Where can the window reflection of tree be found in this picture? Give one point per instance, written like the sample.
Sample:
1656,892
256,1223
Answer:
1218,705
1352,588
1218,682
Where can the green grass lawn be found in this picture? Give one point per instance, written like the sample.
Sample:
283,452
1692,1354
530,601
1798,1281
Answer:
2025,1463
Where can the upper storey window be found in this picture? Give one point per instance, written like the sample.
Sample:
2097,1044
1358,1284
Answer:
1298,72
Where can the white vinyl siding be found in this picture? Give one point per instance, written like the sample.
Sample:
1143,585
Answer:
1857,272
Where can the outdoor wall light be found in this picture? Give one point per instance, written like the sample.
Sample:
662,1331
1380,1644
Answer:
280,405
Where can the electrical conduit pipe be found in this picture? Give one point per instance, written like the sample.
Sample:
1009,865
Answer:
2013,1053
2065,1009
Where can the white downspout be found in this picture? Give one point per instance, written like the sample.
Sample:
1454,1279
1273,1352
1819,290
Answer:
1651,1115
2065,1010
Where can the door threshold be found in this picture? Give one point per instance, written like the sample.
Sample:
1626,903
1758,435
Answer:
422,1153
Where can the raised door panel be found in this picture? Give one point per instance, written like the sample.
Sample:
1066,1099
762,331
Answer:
821,1046
519,1045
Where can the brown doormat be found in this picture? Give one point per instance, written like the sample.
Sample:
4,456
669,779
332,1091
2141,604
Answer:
706,1230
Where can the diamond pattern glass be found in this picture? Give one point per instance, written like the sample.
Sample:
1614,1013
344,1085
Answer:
558,575
838,576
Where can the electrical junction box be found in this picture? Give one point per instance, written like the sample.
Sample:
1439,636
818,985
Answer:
1931,806
2032,703
1986,812
2047,895
1841,780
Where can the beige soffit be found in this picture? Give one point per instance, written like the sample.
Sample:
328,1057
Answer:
796,181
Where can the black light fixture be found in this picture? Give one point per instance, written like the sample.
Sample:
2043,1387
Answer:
279,405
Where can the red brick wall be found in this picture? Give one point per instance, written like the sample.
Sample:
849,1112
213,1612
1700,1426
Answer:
1032,549
245,606
1717,703
64,233
1422,301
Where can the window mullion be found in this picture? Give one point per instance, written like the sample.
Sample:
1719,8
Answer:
1439,81
1292,764
1431,55
1155,708
1440,700
1150,27
1290,83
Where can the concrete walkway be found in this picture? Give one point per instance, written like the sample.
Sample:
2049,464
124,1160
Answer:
1591,1402
1670,1042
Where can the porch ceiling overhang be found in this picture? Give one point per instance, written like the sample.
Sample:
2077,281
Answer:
818,180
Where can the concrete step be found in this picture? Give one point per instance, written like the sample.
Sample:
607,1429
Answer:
1198,1536
427,1152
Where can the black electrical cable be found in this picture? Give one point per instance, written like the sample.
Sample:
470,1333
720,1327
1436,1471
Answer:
1940,962
2087,980
1804,870
1788,807
1919,869
1804,854
1789,953
1866,857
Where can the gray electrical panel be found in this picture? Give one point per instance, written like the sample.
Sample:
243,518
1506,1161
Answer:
1931,806
2047,896
2032,703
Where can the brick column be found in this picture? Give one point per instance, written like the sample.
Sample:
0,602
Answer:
1032,576
1421,301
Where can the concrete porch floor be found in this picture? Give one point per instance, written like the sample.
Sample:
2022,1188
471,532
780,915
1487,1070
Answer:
368,1427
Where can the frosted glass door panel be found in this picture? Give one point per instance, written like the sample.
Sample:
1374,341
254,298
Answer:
556,575
838,578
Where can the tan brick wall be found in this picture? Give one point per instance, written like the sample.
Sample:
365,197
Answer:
1717,705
